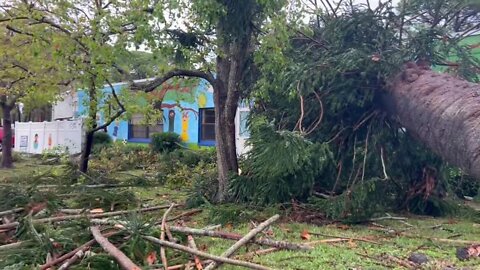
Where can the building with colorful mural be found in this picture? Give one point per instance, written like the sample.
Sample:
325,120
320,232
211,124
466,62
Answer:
187,108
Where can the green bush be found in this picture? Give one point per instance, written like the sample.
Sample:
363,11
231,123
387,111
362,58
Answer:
164,142
121,157
188,157
101,140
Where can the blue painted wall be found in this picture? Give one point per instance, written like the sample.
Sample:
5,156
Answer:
184,97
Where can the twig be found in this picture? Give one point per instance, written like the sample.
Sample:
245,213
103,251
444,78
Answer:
121,258
388,217
185,214
205,255
162,236
89,216
12,211
229,252
234,236
192,245
68,255
345,237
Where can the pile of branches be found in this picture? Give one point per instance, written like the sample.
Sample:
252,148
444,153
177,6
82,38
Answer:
116,236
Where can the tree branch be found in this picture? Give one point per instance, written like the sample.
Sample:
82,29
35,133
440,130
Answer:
150,86
119,256
116,115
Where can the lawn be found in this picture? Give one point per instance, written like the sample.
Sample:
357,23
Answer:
379,244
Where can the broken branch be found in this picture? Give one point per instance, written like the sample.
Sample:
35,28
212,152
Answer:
229,252
12,211
162,236
192,245
70,217
234,236
121,258
205,255
68,255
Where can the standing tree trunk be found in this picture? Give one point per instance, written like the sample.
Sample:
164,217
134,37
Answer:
7,160
91,127
441,111
86,151
224,139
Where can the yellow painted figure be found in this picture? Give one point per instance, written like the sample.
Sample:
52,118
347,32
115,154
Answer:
202,100
184,135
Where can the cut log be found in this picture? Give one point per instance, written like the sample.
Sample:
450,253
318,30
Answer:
229,252
235,236
441,111
121,258
205,255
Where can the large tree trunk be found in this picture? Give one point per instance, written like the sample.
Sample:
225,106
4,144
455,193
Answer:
225,140
7,159
441,111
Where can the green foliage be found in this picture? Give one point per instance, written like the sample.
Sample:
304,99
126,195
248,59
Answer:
120,157
290,175
101,138
231,213
184,176
325,83
203,190
359,203
110,200
164,142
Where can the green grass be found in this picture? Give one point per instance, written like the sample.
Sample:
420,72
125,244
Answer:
346,255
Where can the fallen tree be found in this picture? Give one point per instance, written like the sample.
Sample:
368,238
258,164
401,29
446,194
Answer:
342,112
442,111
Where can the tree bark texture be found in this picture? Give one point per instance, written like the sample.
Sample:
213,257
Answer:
441,111
7,159
231,69
86,151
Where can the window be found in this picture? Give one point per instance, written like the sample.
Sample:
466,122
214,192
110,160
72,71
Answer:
138,130
207,125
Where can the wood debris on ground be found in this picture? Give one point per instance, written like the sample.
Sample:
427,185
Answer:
103,227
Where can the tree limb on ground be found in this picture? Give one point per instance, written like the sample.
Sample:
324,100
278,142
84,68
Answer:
163,256
192,245
121,258
72,253
229,252
235,236
206,255
13,225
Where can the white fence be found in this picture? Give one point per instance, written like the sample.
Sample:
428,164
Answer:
37,137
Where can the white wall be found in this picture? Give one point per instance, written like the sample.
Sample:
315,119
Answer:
37,137
66,107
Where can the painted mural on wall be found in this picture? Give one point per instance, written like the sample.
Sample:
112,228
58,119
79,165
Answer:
181,100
